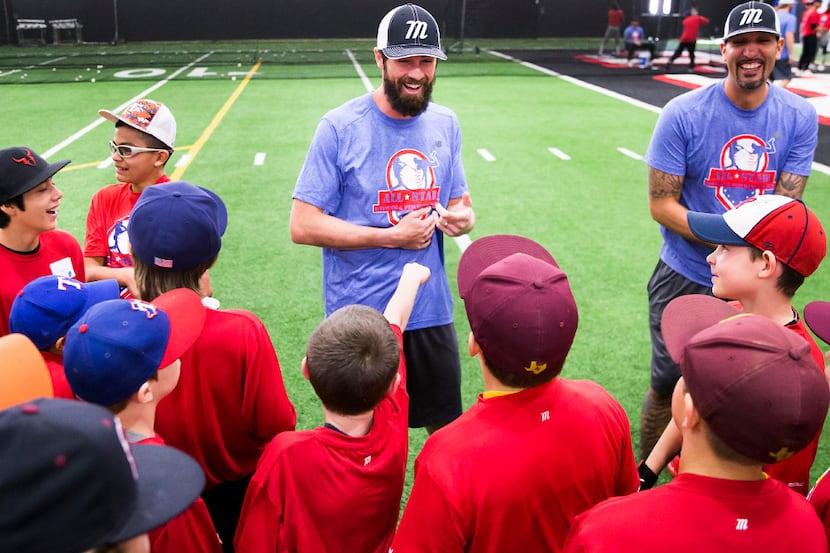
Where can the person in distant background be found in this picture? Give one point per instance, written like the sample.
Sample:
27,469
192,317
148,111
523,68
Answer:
782,73
688,39
634,41
616,18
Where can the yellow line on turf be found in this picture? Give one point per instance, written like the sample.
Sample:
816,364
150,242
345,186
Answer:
194,150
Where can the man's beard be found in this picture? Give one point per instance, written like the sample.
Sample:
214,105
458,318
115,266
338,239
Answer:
408,105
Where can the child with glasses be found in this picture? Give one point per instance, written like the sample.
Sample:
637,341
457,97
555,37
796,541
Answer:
145,133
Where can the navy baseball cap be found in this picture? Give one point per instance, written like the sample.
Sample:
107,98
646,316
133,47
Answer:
47,307
117,345
409,30
21,169
69,481
177,226
751,17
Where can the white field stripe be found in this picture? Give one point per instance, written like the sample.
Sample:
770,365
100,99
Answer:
143,94
486,154
461,241
104,164
577,82
47,62
366,82
10,72
821,168
560,154
183,161
629,153
259,158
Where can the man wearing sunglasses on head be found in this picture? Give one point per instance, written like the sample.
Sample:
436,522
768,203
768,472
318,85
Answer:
143,143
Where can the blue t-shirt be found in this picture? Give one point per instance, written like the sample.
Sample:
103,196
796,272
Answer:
727,155
370,169
788,25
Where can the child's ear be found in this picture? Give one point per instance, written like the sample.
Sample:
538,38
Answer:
770,264
144,394
472,345
305,367
60,344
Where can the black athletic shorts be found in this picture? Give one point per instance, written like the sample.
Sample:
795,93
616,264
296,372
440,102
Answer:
665,285
433,375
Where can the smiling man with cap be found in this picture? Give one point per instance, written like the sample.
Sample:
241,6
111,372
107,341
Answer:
383,185
750,394
712,148
536,449
30,243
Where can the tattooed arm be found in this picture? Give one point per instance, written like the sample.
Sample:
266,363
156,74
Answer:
664,202
790,185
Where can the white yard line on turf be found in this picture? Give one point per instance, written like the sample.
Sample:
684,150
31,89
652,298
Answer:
55,149
820,167
462,241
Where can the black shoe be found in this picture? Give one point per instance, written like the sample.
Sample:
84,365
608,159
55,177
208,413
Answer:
668,67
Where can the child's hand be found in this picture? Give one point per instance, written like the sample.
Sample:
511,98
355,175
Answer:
417,271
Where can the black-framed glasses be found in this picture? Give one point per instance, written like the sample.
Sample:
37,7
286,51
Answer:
126,151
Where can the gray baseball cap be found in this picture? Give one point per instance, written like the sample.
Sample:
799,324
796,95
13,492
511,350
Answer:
409,30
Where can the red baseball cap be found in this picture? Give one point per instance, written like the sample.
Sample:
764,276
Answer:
817,317
780,224
519,304
753,381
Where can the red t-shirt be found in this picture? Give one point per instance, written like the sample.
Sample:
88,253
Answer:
190,532
694,513
60,386
616,18
320,490
795,471
513,471
810,20
59,254
691,26
819,498
230,400
107,222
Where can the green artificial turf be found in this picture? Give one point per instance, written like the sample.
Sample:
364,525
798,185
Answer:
590,211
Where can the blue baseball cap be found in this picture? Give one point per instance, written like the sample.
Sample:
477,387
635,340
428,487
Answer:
119,344
47,307
177,226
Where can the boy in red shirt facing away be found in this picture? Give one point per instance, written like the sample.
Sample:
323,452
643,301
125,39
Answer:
46,308
750,393
536,450
124,355
231,399
145,133
31,245
338,487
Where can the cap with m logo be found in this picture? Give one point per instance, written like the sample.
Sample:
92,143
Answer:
409,30
751,17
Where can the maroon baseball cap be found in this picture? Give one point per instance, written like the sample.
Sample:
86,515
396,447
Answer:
519,304
753,381
817,317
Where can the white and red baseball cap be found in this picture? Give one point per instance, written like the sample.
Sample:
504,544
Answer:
783,225
148,116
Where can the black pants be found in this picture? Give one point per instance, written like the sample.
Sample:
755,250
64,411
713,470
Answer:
688,46
809,48
224,503
631,47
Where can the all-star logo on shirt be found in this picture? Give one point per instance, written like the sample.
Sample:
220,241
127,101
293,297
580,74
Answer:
410,183
743,172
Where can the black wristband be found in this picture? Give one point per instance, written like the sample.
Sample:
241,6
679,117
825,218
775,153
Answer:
647,476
